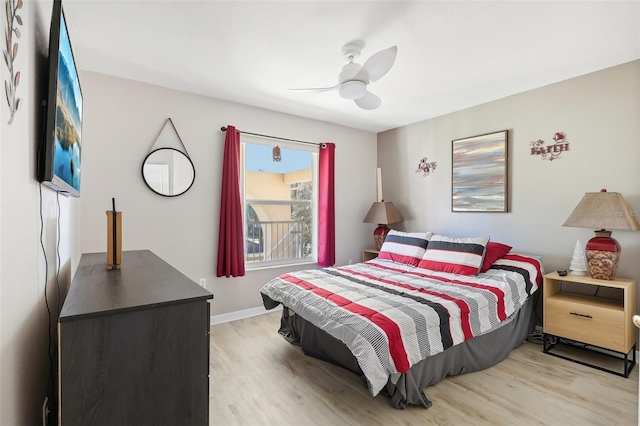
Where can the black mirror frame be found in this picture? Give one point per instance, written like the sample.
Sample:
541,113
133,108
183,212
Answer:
172,149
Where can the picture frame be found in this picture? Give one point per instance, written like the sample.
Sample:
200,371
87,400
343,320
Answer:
479,173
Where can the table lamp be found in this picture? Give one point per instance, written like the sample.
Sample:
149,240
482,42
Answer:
607,211
383,213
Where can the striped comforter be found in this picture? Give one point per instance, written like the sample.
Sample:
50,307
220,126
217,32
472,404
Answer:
392,316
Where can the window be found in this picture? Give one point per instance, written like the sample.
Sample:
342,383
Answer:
279,202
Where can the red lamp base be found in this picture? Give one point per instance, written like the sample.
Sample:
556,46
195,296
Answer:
603,254
379,234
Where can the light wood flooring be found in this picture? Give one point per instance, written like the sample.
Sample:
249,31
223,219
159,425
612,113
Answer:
257,378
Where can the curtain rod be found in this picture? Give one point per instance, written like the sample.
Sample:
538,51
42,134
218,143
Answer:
224,129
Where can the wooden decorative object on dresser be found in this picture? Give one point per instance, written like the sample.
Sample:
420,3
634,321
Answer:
593,322
133,345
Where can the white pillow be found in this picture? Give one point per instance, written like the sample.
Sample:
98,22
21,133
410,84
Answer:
404,247
455,255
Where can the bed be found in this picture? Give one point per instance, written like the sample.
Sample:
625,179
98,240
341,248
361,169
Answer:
405,321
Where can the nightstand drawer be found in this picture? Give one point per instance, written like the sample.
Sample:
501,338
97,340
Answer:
580,318
588,319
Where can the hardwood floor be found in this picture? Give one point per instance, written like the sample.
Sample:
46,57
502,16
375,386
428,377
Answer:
257,378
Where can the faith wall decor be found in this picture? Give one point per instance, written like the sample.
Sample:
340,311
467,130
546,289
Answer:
550,152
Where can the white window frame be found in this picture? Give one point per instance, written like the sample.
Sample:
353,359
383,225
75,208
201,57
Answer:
244,139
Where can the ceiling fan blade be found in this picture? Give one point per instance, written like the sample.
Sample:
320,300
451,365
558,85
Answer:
377,66
368,101
317,89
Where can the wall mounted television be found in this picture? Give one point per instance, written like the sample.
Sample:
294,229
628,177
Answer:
59,165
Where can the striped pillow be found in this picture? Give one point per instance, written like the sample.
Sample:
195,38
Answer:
403,247
454,255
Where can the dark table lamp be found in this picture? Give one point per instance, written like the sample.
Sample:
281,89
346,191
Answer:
607,211
383,213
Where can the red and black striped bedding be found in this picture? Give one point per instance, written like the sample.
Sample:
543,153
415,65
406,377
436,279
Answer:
392,316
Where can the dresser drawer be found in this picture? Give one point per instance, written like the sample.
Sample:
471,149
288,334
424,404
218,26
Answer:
577,318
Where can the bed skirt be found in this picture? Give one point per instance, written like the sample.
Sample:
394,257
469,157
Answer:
406,389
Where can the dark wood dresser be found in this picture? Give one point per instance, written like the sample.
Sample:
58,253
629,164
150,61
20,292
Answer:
133,345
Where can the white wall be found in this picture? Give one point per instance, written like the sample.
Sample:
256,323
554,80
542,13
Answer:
24,363
122,119
599,114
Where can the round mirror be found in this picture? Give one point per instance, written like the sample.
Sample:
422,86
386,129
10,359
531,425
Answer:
168,172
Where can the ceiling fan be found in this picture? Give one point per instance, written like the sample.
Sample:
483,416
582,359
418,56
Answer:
354,78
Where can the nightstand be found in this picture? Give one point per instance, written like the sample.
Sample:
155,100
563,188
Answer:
591,322
368,254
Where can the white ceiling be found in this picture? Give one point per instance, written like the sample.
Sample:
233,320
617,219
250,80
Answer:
451,54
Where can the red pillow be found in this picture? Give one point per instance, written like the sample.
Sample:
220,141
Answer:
494,252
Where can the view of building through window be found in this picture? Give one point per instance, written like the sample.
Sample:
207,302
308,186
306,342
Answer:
278,204
301,213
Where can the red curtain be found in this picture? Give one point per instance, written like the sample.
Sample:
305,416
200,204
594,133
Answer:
326,206
230,237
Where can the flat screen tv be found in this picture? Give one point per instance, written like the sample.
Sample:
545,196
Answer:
59,165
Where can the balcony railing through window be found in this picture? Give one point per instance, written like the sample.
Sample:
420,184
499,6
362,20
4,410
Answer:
278,240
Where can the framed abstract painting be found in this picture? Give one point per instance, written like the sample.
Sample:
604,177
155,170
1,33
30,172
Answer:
480,173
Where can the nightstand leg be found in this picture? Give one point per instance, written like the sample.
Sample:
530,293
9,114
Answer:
549,341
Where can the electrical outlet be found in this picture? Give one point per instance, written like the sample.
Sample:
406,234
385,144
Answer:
350,262
203,282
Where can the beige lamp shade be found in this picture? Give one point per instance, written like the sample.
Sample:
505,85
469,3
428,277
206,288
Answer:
383,213
603,210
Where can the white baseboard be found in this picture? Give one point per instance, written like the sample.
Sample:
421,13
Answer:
238,315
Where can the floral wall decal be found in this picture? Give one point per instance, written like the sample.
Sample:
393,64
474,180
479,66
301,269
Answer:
553,151
425,167
10,52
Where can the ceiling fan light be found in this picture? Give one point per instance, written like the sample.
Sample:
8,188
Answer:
352,89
